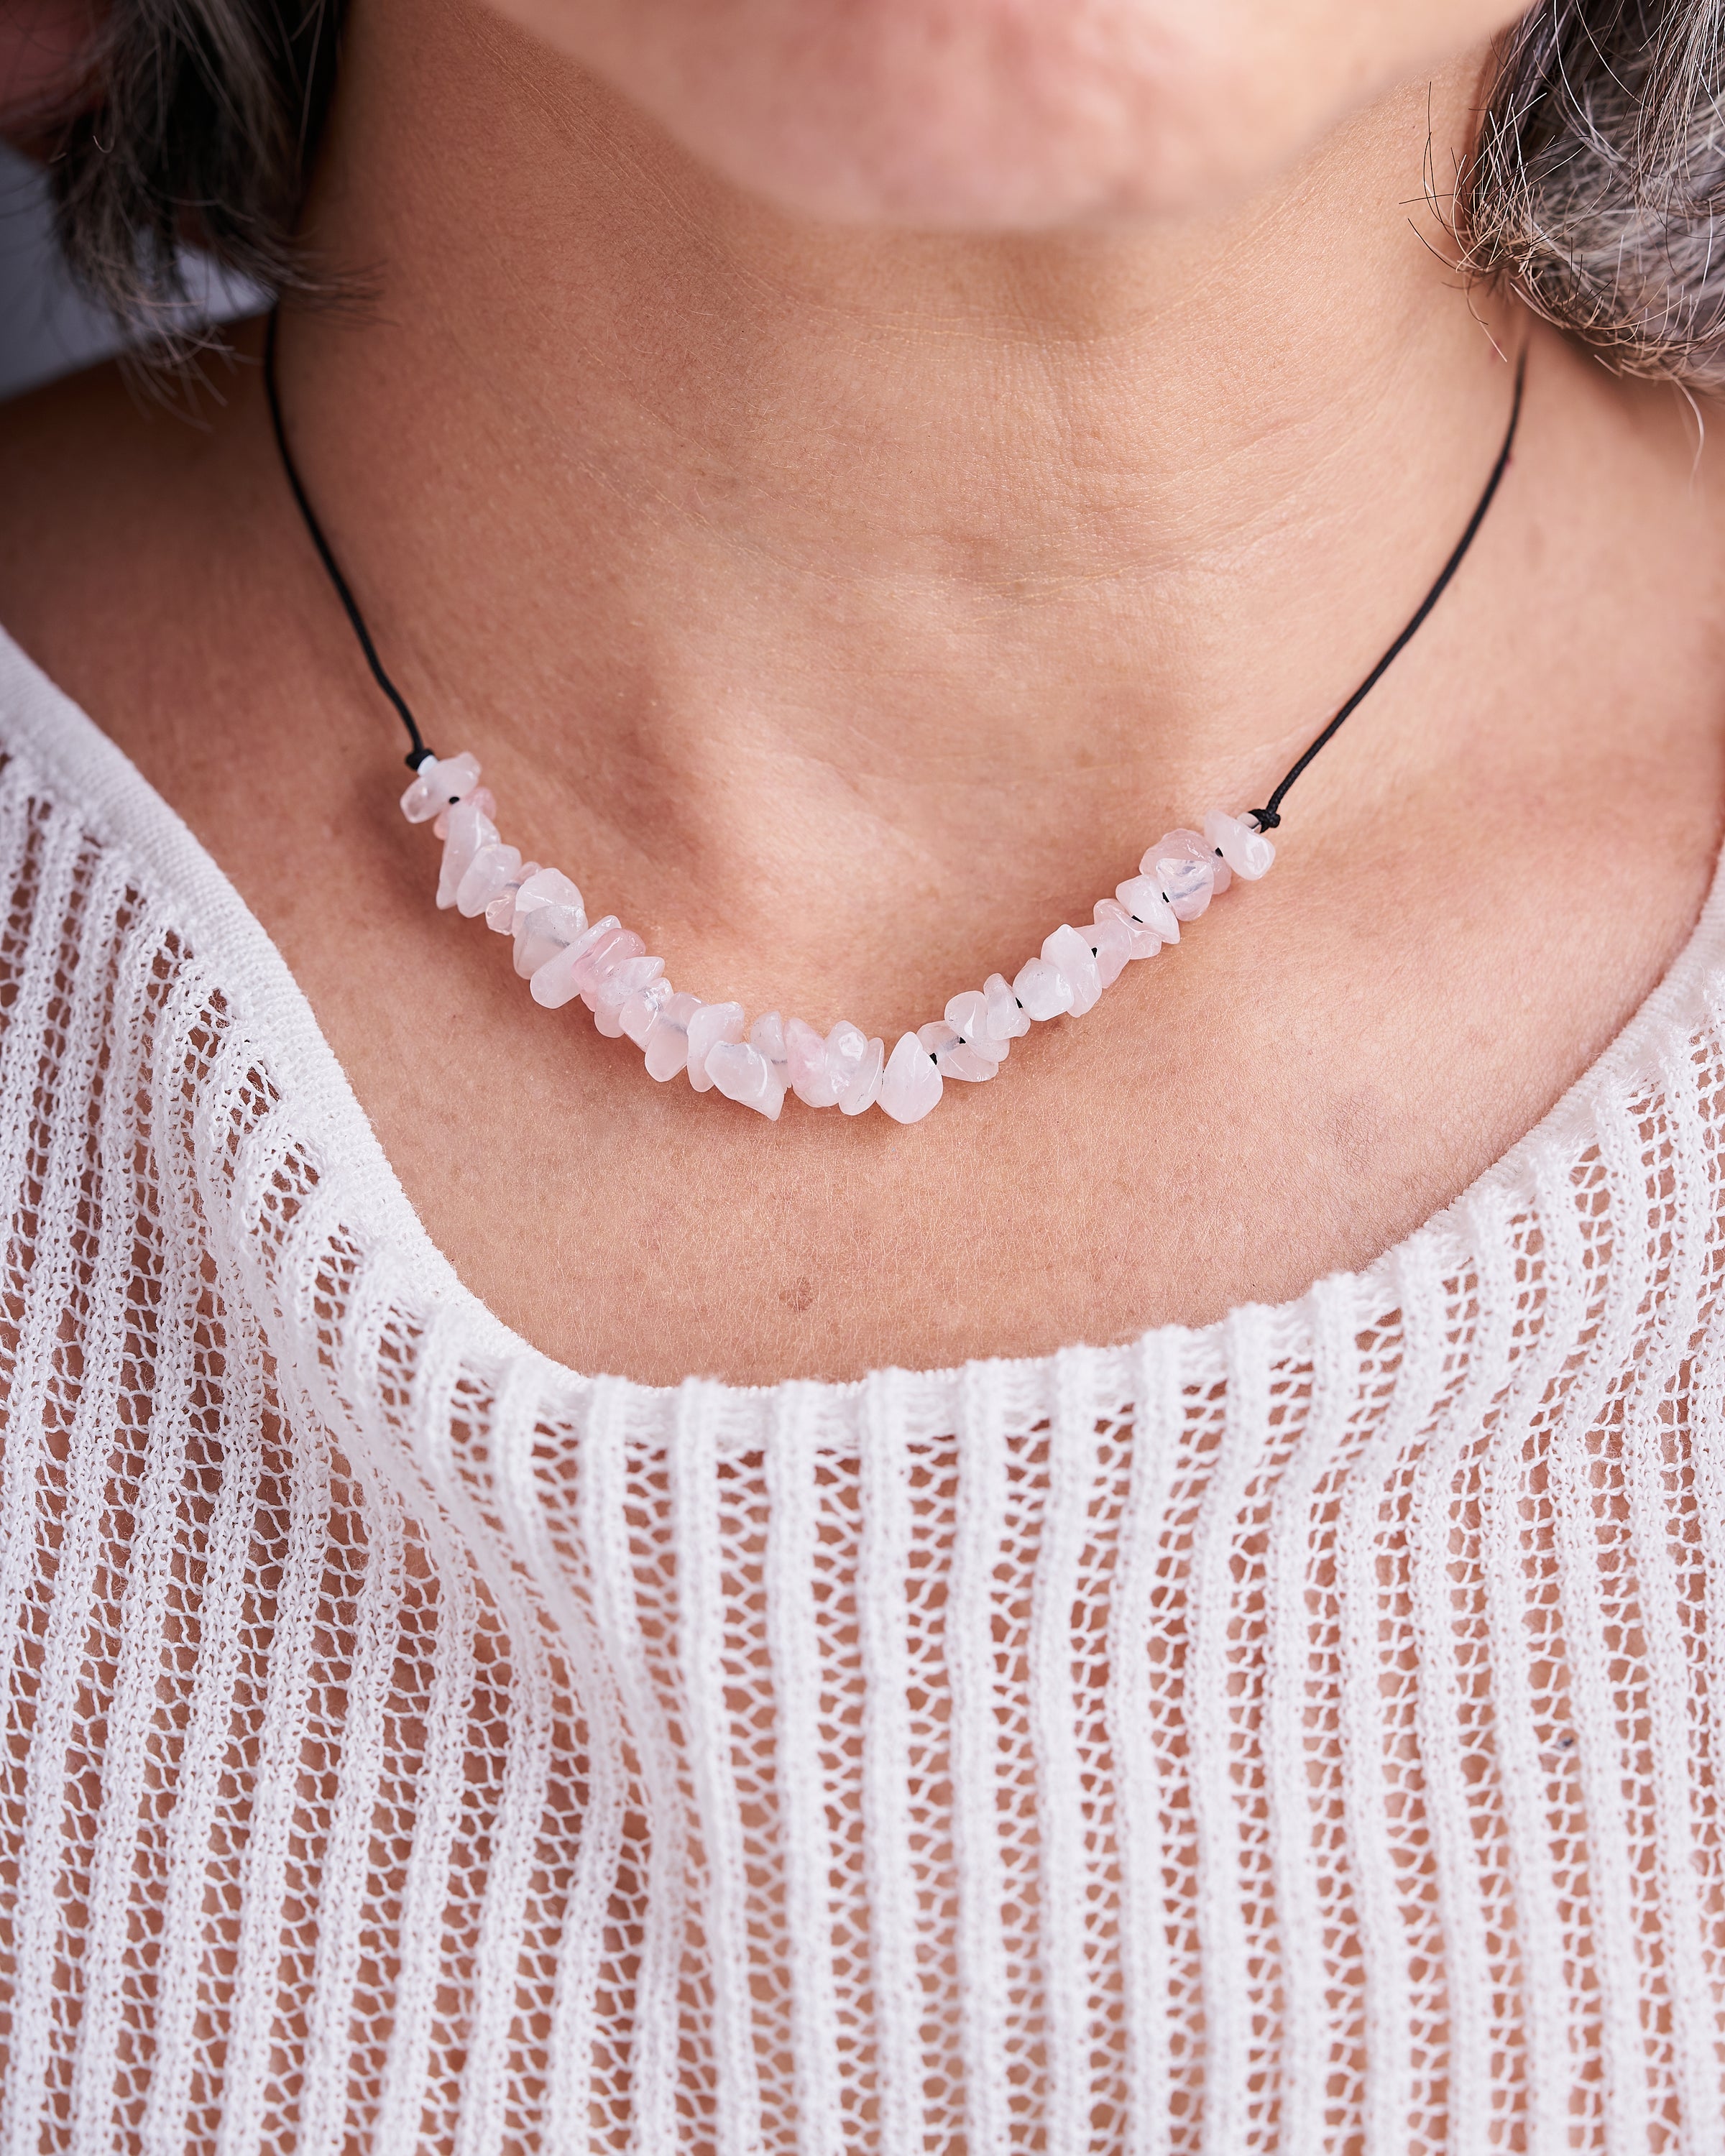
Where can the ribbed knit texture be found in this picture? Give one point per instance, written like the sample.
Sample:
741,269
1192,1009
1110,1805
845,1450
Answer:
1293,1736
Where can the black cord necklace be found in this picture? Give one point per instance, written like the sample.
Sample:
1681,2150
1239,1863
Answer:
607,965
1267,818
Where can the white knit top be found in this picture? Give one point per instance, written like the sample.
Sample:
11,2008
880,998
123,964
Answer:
1295,1735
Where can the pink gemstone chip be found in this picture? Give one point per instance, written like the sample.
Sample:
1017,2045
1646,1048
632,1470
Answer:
711,1024
437,782
911,1083
1242,845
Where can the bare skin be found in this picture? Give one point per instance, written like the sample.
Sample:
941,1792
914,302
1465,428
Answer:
1003,114
846,607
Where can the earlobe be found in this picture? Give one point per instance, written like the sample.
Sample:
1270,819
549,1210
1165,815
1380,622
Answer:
49,51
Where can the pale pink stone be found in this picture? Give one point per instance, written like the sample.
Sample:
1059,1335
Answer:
623,975
1042,989
911,1083
552,983
1192,846
1068,950
954,1056
711,1024
622,984
469,830
542,934
1007,1020
847,1052
1140,897
640,1014
550,887
439,781
667,1043
500,914
1184,869
555,982
853,1066
859,1086
968,1063
1146,943
766,1038
548,916
967,1015
600,956
742,1073
481,798
1112,936
1242,845
805,1057
488,873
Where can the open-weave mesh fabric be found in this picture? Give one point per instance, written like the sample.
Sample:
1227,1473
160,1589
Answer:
1293,1736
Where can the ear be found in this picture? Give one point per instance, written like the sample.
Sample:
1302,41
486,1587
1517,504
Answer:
49,51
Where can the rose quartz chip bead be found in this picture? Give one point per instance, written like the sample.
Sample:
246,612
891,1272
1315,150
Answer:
752,1072
806,1065
841,1071
742,1074
667,1042
1240,842
481,798
1007,1019
487,876
470,831
1141,899
1117,939
1110,939
438,783
624,1001
500,914
1192,846
558,980
711,1024
1076,961
1042,989
858,1064
1145,939
547,917
911,1083
953,1055
961,1044
1184,869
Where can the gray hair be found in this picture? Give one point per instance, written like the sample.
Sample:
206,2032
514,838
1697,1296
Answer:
205,120
1598,179
1593,189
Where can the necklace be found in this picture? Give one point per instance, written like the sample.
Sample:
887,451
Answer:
562,955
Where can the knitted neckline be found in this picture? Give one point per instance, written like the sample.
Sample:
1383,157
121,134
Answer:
59,739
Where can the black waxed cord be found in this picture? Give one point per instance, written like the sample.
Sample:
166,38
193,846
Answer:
418,752
1268,817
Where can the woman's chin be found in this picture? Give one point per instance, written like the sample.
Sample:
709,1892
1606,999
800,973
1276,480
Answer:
992,115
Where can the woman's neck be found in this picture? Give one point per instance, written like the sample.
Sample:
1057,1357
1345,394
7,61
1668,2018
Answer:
845,612
799,567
